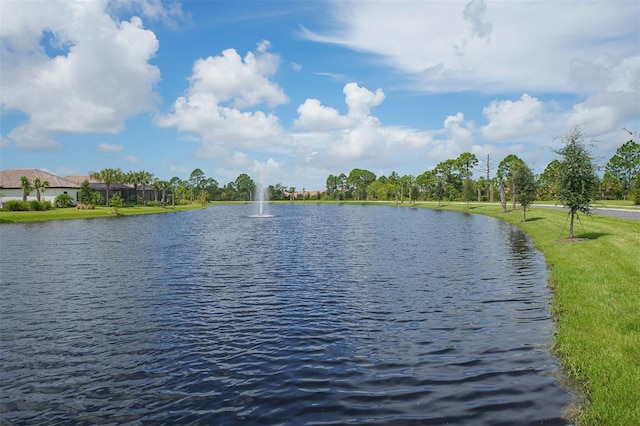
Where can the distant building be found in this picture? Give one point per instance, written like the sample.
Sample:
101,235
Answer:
11,185
127,192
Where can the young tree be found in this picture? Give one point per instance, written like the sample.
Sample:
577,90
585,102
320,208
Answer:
26,188
116,202
577,178
40,186
525,184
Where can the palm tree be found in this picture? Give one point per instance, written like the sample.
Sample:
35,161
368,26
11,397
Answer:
133,178
40,186
26,188
163,186
144,178
174,182
108,177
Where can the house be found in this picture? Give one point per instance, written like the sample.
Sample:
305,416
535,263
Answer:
11,185
127,192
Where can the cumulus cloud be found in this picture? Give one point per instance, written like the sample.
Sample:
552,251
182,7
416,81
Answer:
106,147
221,90
131,159
513,119
82,87
312,115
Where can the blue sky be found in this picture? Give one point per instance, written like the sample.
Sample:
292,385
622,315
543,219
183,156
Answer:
292,91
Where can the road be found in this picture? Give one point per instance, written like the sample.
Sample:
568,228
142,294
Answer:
604,211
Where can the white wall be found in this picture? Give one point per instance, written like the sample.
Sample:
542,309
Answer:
49,194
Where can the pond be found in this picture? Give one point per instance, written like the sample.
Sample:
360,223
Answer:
321,314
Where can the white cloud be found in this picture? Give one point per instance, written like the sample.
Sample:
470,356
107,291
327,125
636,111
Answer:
513,119
221,89
296,66
312,115
360,100
85,88
30,138
131,159
605,112
444,46
106,147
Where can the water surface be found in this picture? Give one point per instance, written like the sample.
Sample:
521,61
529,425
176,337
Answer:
321,314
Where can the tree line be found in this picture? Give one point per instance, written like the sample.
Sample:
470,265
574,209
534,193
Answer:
455,179
196,188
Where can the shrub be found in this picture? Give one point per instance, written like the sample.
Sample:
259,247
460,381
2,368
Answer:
39,206
154,204
16,206
64,200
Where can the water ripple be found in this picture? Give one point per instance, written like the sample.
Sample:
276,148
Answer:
320,315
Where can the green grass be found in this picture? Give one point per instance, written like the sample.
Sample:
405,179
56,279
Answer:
99,211
596,304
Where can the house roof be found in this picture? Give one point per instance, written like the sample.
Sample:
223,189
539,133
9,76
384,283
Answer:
12,178
97,185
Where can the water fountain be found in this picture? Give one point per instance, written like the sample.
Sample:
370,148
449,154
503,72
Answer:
263,196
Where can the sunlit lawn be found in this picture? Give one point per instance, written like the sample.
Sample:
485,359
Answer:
99,211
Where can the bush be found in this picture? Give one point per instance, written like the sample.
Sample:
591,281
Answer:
64,200
16,206
39,206
154,204
86,206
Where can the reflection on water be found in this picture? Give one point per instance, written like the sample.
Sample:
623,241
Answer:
319,315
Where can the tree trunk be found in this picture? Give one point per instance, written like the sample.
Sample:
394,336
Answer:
524,213
571,224
38,195
490,193
503,198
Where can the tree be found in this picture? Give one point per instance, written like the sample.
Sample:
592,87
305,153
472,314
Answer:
108,177
244,186
174,182
26,188
506,174
332,185
40,186
360,179
577,178
195,178
525,184
86,194
163,186
465,162
144,178
548,183
625,165
116,202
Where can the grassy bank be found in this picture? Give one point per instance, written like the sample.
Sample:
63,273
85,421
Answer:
99,211
596,304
